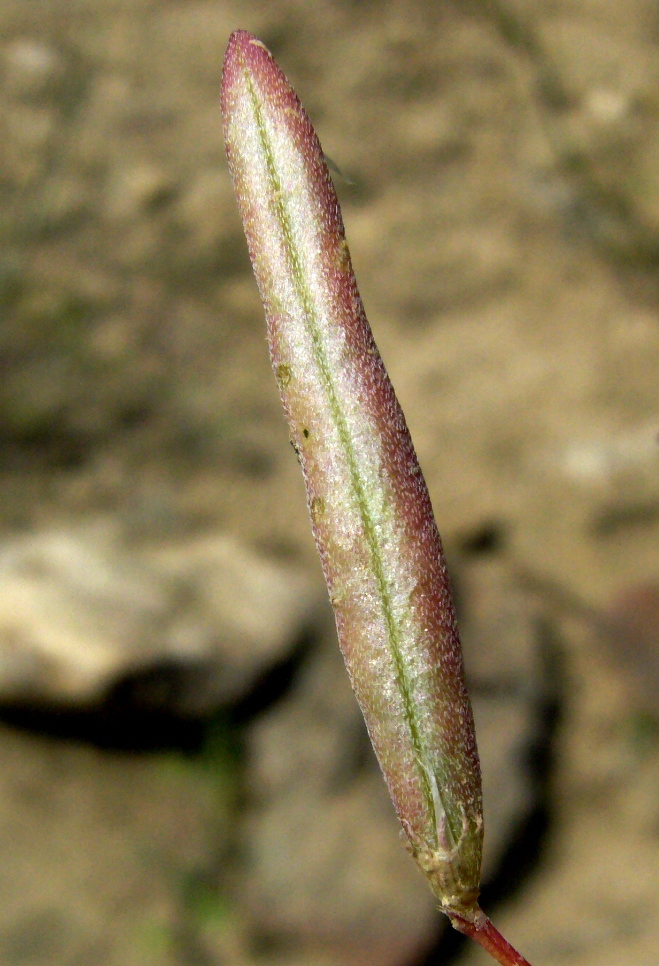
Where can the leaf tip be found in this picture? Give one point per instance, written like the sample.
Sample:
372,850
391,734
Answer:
244,49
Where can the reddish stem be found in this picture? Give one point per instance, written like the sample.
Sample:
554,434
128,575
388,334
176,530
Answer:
488,936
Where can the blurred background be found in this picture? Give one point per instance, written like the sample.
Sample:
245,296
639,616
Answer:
185,778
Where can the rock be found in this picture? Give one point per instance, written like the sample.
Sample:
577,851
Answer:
73,616
247,614
326,871
80,612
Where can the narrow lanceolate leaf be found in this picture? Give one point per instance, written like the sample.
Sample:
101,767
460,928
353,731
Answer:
370,511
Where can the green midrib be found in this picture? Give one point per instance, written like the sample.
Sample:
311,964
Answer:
346,442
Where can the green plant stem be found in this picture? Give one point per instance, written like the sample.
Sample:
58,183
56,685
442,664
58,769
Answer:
486,934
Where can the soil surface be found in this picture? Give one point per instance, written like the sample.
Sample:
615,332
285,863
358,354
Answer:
501,200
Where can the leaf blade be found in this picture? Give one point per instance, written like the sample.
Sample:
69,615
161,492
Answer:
369,505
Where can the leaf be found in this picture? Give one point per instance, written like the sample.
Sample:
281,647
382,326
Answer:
370,511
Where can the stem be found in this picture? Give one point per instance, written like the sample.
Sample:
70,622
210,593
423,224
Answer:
488,936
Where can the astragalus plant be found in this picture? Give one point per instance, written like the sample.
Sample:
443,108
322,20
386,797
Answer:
370,510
